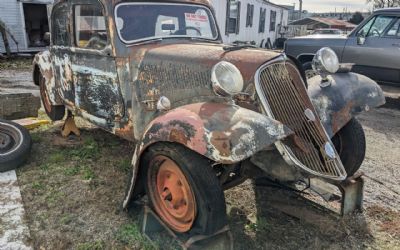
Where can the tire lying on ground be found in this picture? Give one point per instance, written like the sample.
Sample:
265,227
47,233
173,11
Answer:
15,145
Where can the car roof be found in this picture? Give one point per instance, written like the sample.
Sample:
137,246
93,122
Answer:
388,11
203,2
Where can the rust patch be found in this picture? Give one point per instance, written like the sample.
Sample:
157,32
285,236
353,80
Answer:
221,142
342,117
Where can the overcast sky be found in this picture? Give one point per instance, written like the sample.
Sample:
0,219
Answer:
328,5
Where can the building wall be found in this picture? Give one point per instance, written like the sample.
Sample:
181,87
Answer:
251,33
11,14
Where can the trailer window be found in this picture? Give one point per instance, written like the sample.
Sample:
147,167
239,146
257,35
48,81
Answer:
272,25
90,27
263,14
250,15
233,17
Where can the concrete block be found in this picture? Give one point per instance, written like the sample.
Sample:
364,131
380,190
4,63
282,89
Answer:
18,105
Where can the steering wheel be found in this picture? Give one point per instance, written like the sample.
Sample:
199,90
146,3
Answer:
189,28
375,32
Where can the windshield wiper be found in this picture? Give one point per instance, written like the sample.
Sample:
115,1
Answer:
239,47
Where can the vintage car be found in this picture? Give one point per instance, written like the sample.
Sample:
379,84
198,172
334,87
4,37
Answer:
204,116
373,47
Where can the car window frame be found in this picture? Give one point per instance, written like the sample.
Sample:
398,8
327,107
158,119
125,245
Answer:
397,36
217,37
73,37
68,24
383,35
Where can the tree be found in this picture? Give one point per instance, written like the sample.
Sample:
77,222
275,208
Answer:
385,3
357,18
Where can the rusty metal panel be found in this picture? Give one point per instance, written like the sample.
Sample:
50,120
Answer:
286,99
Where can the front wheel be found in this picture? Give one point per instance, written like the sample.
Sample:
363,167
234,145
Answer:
184,190
309,71
351,145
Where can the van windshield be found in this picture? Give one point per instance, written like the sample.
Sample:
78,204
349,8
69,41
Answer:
145,21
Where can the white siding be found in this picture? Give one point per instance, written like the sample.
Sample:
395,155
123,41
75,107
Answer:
251,33
11,14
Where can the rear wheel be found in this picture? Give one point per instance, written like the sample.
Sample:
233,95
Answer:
184,190
351,145
54,112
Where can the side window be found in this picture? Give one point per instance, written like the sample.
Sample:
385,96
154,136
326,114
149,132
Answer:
394,31
263,14
60,31
364,31
90,27
233,17
272,26
380,25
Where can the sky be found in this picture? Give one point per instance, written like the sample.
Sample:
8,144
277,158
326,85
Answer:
328,5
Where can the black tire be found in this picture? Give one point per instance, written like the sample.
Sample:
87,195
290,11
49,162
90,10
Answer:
15,145
351,145
54,112
309,71
210,214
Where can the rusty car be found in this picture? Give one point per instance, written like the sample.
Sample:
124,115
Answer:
204,116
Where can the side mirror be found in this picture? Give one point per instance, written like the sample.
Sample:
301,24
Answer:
361,39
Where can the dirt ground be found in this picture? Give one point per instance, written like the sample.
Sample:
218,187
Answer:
73,190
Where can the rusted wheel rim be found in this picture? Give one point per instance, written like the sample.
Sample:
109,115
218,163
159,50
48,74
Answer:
172,196
44,95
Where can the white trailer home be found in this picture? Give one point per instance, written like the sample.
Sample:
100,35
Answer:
257,21
27,21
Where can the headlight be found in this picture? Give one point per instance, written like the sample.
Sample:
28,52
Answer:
226,79
326,62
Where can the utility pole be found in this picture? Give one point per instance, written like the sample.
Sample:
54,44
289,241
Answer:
300,9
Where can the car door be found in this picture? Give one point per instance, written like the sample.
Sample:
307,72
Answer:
97,91
379,56
61,52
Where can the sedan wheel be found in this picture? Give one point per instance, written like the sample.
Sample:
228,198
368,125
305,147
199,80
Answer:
184,190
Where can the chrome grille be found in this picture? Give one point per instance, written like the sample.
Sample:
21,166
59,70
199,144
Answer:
281,89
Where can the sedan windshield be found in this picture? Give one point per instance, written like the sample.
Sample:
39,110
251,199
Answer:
146,21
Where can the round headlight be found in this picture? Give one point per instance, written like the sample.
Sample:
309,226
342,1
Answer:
326,62
226,79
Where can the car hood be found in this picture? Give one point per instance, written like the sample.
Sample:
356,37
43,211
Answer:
183,71
322,36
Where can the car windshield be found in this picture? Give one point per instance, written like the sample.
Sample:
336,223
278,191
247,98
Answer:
146,21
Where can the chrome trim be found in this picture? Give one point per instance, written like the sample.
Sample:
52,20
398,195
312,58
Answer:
285,151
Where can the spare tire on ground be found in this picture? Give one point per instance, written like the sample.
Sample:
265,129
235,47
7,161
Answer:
15,145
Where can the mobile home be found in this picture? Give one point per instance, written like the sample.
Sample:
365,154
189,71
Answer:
27,21
257,21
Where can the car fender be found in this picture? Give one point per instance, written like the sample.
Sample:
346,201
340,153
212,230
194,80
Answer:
42,64
223,133
348,95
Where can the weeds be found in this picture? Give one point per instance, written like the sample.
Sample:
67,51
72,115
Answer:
72,171
96,245
87,173
130,234
125,165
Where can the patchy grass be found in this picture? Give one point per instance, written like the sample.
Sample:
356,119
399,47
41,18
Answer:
73,190
16,64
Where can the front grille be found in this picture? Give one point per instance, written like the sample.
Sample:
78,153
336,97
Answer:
285,99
